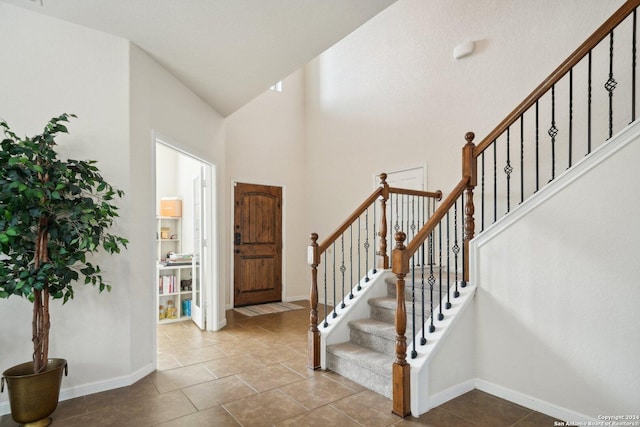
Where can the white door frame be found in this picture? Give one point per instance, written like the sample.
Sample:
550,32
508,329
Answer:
212,301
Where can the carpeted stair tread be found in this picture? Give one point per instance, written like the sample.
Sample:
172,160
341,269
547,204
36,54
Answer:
366,358
374,327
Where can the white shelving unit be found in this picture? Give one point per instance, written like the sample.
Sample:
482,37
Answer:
173,281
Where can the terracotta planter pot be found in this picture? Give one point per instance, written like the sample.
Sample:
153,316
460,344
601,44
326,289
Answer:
33,397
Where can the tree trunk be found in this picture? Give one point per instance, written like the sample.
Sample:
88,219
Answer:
41,326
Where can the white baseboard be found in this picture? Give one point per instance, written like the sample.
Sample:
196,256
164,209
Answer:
530,402
451,393
95,387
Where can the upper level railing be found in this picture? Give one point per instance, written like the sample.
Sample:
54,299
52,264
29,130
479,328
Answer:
588,98
357,248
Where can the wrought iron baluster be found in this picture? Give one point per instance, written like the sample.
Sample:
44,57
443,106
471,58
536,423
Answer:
440,315
482,193
521,158
414,353
570,116
351,261
366,245
507,170
463,282
359,287
334,279
432,281
448,305
373,252
495,181
611,84
537,146
456,247
423,339
553,132
326,302
589,96
633,68
413,217
343,268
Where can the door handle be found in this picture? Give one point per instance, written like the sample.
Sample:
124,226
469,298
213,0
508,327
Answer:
237,238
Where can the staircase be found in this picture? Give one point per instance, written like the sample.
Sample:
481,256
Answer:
366,357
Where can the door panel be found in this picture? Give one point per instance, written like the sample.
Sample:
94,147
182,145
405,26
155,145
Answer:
199,256
257,244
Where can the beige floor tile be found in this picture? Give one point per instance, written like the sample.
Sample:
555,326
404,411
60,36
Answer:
147,412
316,391
343,381
324,416
275,355
299,365
166,361
232,365
436,417
113,398
368,408
536,419
191,356
104,418
175,379
217,392
212,417
482,409
264,409
269,377
243,347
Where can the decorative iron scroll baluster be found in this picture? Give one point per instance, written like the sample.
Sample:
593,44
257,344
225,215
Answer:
521,158
507,170
495,181
343,268
611,84
570,116
359,287
326,302
456,247
366,245
633,68
396,227
333,269
413,217
414,352
482,192
440,315
553,132
432,281
537,146
351,261
425,219
448,306
589,97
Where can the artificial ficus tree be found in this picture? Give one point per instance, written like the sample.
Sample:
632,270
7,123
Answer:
54,214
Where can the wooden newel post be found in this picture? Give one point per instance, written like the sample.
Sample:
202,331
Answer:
313,258
401,369
469,169
382,253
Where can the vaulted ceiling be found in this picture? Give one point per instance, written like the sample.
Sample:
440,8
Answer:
226,51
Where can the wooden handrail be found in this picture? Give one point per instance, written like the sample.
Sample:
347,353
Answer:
437,216
625,10
345,225
434,195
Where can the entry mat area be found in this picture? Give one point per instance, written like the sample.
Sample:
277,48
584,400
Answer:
273,307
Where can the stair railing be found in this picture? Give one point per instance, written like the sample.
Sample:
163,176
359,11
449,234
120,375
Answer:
589,117
348,256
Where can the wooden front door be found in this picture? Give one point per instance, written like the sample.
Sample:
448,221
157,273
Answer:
257,244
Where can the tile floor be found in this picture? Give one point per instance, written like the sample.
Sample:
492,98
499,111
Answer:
253,373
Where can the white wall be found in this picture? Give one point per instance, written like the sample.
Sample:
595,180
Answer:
557,300
390,95
162,104
265,145
49,67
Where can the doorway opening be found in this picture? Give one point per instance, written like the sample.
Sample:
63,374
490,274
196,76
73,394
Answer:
185,237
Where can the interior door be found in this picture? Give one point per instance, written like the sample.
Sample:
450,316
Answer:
257,244
199,255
